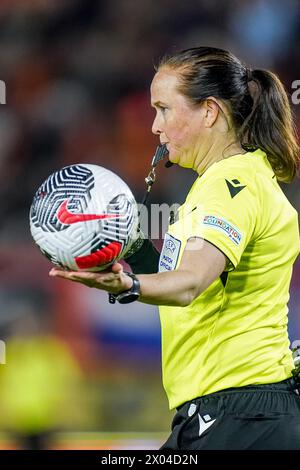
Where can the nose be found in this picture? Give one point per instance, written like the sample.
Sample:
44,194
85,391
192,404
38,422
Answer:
157,125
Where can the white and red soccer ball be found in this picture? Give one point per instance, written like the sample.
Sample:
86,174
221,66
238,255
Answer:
84,217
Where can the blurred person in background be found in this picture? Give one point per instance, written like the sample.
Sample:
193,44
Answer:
226,263
40,386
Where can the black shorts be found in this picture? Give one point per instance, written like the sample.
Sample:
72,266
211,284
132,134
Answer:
252,417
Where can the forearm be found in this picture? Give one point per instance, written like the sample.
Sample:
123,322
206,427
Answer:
174,288
197,270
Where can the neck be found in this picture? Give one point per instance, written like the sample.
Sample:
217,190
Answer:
216,151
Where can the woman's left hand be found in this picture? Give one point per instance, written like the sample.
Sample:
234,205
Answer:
112,280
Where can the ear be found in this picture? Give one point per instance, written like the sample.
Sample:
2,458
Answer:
212,110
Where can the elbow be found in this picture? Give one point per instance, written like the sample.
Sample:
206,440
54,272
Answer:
187,299
190,294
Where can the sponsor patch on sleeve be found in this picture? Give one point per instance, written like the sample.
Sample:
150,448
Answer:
223,226
169,253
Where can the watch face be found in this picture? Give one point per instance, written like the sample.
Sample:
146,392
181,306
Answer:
128,297
131,294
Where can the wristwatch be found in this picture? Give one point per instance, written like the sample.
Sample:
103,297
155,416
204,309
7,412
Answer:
129,295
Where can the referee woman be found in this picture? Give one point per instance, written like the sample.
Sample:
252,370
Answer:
226,263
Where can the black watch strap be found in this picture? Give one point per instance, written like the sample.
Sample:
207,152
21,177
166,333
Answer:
129,295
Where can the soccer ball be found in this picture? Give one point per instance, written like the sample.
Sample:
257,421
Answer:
84,217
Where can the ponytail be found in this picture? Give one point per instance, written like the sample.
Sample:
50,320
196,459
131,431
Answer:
269,126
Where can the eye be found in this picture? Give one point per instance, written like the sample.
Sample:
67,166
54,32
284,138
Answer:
163,109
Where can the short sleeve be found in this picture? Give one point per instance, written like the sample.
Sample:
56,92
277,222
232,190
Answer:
224,214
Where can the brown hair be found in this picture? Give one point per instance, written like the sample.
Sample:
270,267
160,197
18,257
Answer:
260,109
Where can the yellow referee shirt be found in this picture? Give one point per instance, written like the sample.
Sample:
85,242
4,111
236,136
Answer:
235,333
